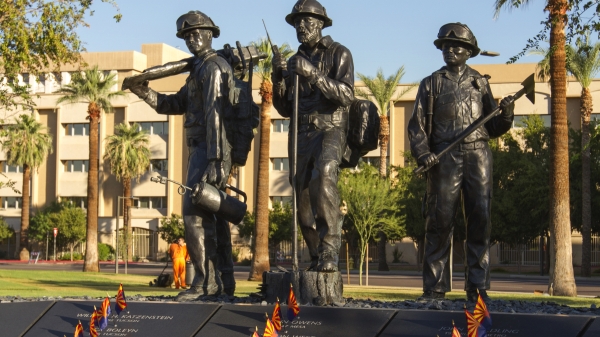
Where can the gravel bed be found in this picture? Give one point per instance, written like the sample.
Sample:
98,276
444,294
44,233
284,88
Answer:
543,307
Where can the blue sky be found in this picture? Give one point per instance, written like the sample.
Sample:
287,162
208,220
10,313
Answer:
380,33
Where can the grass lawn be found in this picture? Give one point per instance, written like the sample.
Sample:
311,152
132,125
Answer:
399,294
26,283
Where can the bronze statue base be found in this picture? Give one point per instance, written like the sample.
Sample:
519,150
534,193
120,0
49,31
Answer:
310,287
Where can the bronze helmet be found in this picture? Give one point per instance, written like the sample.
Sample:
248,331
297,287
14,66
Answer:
457,32
309,7
196,20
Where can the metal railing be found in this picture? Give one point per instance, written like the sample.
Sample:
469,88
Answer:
282,253
595,250
520,254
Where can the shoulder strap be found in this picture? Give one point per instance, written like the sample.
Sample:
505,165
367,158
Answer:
329,54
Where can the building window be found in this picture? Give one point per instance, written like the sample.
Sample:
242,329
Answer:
281,125
281,200
281,164
12,168
159,165
76,165
151,202
80,202
12,202
78,129
154,128
518,122
595,117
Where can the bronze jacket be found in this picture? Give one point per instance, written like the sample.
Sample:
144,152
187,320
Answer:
458,102
204,99
333,88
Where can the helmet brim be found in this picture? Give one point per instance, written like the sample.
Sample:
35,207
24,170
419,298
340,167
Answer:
215,29
474,49
327,22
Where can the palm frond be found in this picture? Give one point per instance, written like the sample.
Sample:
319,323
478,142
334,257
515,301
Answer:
265,67
128,151
583,60
543,67
27,142
382,89
91,86
508,5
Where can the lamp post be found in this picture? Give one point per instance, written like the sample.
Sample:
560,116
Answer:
117,233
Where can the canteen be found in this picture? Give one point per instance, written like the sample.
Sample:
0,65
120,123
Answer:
215,201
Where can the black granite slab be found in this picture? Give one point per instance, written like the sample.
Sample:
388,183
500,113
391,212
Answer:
594,329
17,318
143,319
237,320
431,323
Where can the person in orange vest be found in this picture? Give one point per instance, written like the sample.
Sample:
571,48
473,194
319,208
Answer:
179,254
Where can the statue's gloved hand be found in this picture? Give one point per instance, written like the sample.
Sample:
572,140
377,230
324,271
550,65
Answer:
279,66
507,105
427,160
304,68
214,174
141,90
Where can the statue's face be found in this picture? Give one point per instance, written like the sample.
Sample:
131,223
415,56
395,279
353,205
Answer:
308,29
198,40
455,53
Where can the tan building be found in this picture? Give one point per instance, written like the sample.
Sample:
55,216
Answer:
64,174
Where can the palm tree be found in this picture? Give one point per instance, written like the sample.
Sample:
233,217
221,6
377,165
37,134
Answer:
583,62
93,87
128,153
382,90
26,144
562,278
260,258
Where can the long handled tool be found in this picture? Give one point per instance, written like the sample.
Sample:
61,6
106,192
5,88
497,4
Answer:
294,175
528,90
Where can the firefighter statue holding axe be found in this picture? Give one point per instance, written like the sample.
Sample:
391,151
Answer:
454,116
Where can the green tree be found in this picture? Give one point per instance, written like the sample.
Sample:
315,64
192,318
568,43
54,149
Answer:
382,90
171,228
521,171
576,150
41,223
260,256
27,145
128,153
372,206
35,36
94,88
70,221
280,224
562,278
411,189
6,232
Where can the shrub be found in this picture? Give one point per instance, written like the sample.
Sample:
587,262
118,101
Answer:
104,251
67,257
235,254
245,262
